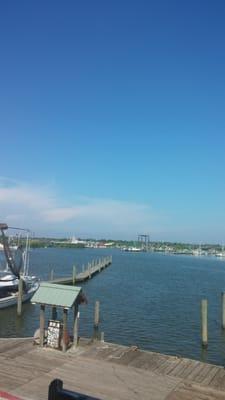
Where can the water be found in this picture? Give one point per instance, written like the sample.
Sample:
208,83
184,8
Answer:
150,300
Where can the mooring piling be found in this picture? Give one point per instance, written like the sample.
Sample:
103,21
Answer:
74,274
223,310
20,297
96,320
204,322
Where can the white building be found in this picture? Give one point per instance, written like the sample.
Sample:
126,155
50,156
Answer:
77,241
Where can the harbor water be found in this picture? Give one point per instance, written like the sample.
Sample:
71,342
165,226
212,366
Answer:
149,300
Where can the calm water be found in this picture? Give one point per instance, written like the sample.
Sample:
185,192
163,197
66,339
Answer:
146,299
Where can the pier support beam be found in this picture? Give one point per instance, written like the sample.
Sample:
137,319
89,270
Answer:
223,310
65,334
74,275
204,322
75,325
20,297
96,320
42,325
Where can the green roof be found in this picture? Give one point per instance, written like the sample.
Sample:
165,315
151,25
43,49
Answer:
56,295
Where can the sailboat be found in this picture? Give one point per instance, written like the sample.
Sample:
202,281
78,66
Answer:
17,267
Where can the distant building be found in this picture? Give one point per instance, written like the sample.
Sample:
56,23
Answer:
77,241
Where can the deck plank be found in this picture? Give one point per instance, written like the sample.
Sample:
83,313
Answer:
107,371
186,391
218,381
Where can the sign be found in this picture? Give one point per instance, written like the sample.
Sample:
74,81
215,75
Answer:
54,334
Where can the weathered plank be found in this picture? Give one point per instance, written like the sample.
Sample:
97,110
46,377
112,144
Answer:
218,381
114,372
186,391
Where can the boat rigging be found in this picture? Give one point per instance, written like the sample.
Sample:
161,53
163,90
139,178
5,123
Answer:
17,262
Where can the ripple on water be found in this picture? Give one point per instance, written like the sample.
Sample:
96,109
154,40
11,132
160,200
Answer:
147,299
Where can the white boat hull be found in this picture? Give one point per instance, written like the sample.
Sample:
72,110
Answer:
11,300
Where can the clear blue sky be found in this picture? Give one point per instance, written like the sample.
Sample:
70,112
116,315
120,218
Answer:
112,118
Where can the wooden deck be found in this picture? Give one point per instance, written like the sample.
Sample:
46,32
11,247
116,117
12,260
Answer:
92,269
107,371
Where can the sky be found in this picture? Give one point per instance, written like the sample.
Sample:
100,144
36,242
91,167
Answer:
112,119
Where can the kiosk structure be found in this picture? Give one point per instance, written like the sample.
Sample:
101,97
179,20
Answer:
62,297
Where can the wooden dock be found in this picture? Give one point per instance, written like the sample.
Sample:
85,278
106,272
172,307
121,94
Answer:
92,268
106,371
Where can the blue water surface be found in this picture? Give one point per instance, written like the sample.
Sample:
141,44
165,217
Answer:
150,300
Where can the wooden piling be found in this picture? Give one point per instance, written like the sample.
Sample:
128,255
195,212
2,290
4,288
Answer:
75,325
42,325
204,322
20,297
65,335
223,310
74,274
96,320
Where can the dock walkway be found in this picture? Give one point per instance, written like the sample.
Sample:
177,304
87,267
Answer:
106,371
92,269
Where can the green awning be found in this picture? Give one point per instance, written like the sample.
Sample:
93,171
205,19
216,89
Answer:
56,295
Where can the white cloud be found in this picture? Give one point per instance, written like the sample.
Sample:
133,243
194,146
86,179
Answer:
40,209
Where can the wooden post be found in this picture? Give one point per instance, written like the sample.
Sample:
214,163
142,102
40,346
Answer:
54,313
65,337
74,274
204,324
102,336
42,325
223,310
96,320
75,325
20,297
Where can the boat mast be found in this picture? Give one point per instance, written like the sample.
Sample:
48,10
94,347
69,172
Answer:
8,255
26,255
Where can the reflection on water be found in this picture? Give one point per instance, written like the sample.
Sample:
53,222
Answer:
146,299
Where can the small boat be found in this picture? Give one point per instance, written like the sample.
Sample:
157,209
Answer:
17,267
132,249
9,298
221,254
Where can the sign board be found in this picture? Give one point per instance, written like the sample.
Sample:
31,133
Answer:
54,334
